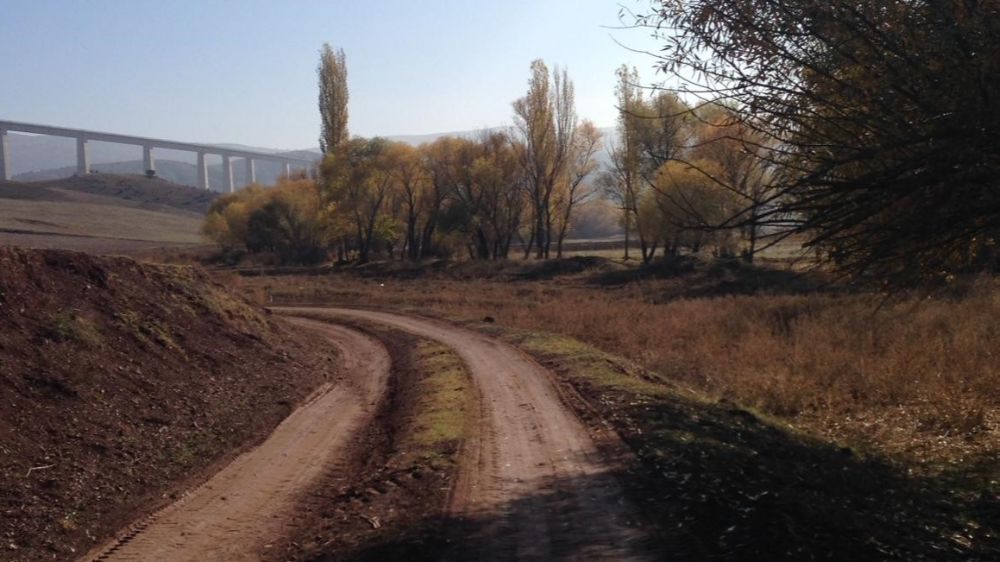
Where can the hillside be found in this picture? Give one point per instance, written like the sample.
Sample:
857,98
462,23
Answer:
174,171
120,381
101,212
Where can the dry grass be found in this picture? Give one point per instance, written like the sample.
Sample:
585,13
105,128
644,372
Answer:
917,378
100,221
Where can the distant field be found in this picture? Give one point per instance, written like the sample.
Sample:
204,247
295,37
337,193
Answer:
101,213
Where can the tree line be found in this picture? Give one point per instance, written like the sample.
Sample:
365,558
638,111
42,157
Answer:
501,191
868,129
875,121
480,196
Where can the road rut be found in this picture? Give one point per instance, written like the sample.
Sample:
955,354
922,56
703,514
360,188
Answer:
237,512
534,486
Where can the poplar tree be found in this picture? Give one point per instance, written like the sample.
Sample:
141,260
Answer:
333,97
545,122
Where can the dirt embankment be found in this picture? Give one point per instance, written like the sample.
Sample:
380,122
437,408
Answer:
121,382
241,511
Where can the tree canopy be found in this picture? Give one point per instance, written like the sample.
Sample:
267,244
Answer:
877,119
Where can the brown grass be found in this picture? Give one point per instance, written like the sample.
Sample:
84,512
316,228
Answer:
917,377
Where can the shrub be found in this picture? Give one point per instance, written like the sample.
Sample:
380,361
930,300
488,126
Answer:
291,221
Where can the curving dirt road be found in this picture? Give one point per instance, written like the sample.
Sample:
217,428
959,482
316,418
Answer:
534,486
237,512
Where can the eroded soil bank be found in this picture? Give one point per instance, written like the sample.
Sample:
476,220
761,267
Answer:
122,383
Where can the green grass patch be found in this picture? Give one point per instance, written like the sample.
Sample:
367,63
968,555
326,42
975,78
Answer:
443,414
70,326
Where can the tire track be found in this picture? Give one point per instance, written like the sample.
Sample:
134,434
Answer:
535,485
249,503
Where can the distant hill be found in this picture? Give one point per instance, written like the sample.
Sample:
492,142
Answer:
181,173
121,190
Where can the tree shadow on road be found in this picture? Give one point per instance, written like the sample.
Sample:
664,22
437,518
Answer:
717,483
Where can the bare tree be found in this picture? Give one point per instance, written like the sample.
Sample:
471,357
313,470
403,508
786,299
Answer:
740,166
620,180
586,143
545,123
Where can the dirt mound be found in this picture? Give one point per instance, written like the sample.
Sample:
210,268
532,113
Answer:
131,191
121,381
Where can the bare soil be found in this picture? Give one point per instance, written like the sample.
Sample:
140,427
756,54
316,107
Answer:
244,508
392,501
121,384
535,485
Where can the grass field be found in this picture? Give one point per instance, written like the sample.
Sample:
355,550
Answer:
730,484
100,214
913,378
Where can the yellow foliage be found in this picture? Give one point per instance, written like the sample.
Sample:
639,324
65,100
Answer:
292,219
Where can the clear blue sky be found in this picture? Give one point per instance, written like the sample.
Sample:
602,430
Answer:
245,71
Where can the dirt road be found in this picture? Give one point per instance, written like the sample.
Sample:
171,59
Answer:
234,515
534,486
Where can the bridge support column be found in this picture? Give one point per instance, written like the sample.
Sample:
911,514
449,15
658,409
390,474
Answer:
82,155
251,175
288,170
202,172
227,173
148,162
4,157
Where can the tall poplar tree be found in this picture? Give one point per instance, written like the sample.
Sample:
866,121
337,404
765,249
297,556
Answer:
333,97
545,121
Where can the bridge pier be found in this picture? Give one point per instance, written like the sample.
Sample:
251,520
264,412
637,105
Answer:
202,172
288,170
251,175
4,157
82,155
227,173
148,162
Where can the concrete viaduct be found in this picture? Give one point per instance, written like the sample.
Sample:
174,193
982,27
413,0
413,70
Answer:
148,145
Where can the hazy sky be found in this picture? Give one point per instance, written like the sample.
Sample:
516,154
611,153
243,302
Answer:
245,71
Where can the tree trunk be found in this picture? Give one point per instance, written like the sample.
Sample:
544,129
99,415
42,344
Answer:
531,242
412,249
548,230
628,228
562,236
753,235
426,237
482,245
539,234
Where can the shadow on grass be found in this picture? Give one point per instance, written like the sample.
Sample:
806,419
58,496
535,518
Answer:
734,487
680,277
715,483
697,278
